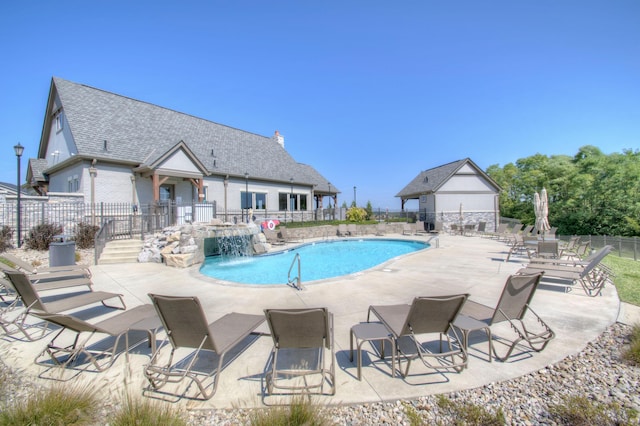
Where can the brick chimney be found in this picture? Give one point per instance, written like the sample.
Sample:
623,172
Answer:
279,138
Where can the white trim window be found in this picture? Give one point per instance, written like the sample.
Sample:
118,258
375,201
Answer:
59,121
73,183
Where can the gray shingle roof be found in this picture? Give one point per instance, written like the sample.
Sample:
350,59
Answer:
36,167
139,133
428,181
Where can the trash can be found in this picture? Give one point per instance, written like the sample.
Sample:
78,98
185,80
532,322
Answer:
62,251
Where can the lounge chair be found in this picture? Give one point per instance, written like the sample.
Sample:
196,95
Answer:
546,250
513,305
599,254
509,236
30,269
187,328
426,315
300,338
437,228
32,301
273,238
500,231
408,228
143,318
454,229
482,228
591,276
70,278
44,285
421,227
518,246
342,230
13,319
570,245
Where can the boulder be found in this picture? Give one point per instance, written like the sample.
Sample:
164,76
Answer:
179,260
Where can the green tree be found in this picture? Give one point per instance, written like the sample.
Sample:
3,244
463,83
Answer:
589,193
369,210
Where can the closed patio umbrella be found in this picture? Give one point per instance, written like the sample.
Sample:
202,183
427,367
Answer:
541,206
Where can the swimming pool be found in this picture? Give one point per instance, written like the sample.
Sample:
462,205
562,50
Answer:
318,261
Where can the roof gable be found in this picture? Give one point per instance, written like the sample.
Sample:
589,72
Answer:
115,128
429,181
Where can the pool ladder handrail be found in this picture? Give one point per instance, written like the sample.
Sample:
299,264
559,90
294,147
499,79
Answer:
295,282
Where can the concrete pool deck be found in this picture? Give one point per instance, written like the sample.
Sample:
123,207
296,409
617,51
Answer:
459,265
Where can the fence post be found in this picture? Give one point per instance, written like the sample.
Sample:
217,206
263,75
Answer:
620,246
635,248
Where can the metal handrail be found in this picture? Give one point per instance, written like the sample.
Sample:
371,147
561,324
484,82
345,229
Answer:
296,282
102,237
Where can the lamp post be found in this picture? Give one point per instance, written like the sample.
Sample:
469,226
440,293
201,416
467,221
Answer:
291,198
246,193
355,201
19,149
93,172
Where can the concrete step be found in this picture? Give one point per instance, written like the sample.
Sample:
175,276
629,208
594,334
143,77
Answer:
120,251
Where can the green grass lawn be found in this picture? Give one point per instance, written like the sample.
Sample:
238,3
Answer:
627,279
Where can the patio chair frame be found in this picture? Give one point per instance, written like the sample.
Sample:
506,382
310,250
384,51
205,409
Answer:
425,315
298,330
520,288
187,327
142,317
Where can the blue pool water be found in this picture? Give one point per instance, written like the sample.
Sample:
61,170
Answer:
319,261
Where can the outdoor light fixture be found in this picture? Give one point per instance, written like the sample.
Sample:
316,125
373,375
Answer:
246,193
19,149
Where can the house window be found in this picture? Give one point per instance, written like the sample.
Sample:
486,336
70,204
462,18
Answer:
282,201
245,200
73,183
303,201
59,121
166,193
261,201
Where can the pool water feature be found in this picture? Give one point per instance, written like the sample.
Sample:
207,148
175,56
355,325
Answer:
320,260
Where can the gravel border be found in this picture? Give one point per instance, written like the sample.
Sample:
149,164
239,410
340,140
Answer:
597,372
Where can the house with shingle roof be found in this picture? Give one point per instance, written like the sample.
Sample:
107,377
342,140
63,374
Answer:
455,193
114,149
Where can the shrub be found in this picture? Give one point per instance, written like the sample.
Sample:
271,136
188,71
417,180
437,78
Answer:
469,414
580,411
6,236
54,406
412,415
356,214
85,235
139,412
632,353
41,236
299,412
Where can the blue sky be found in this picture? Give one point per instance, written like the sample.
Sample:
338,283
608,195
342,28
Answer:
368,92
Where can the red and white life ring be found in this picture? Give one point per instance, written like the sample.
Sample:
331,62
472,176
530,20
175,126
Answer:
271,225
